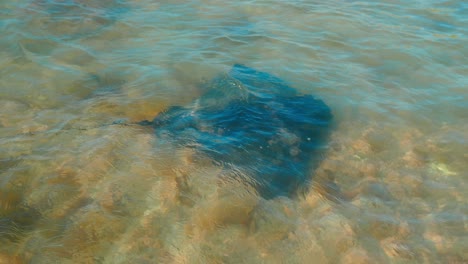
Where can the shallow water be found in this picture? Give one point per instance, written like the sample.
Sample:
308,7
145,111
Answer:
391,185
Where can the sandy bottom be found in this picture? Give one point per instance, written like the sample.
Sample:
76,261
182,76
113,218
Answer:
391,187
106,194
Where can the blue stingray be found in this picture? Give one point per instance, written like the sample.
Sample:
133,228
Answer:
254,122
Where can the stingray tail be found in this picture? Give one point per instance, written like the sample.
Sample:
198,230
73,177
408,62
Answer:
144,123
84,128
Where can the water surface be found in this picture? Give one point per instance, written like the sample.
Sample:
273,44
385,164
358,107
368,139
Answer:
390,187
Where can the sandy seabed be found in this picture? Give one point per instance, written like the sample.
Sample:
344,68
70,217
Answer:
391,187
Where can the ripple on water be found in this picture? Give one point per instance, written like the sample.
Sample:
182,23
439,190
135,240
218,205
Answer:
74,190
73,19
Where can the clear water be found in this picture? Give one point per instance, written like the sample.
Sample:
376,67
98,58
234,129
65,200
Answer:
391,187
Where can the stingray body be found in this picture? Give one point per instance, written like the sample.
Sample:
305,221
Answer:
252,121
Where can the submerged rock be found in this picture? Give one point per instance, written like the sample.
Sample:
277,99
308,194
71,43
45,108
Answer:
254,122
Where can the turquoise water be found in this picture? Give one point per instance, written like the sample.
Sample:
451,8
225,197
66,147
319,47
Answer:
391,185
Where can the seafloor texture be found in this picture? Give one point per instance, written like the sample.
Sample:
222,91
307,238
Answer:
254,126
73,190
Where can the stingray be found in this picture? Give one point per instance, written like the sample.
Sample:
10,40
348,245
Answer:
255,122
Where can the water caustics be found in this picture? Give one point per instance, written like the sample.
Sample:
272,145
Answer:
278,131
